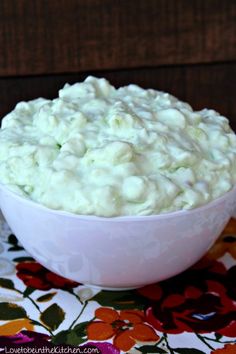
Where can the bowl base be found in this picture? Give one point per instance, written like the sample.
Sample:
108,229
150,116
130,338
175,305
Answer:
107,288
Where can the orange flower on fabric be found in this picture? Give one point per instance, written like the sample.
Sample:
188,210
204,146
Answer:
230,227
226,242
228,349
127,327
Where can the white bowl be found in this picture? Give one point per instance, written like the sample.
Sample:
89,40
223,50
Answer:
120,252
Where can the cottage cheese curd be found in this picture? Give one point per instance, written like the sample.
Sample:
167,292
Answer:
109,152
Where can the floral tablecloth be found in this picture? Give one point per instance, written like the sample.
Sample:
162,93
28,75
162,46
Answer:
192,313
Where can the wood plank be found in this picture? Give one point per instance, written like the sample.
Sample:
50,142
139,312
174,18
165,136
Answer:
65,36
211,86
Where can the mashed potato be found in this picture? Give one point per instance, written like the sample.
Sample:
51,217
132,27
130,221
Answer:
109,152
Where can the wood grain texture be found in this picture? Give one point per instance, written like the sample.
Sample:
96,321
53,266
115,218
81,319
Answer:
69,36
211,86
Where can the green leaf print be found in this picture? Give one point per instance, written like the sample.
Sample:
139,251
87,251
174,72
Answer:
7,283
120,300
53,316
46,297
151,349
28,291
9,311
188,351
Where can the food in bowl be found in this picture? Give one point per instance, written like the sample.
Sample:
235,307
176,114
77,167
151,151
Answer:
97,150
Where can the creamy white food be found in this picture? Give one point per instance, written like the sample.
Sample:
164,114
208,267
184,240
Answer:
103,151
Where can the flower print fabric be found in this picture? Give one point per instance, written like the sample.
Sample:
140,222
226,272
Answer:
36,276
202,300
193,312
125,327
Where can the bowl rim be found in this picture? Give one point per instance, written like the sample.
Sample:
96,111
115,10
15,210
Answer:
128,218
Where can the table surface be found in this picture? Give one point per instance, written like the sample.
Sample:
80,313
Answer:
192,313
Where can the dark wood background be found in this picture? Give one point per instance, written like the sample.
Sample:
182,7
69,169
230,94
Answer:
185,47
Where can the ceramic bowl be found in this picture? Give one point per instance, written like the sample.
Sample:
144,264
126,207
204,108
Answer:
120,252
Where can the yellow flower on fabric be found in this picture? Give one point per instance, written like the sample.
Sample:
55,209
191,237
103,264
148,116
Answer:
13,327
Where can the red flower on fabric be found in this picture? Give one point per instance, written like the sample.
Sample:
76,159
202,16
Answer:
199,300
36,276
127,327
228,349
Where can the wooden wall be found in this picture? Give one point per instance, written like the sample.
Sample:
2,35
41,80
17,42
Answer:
186,47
